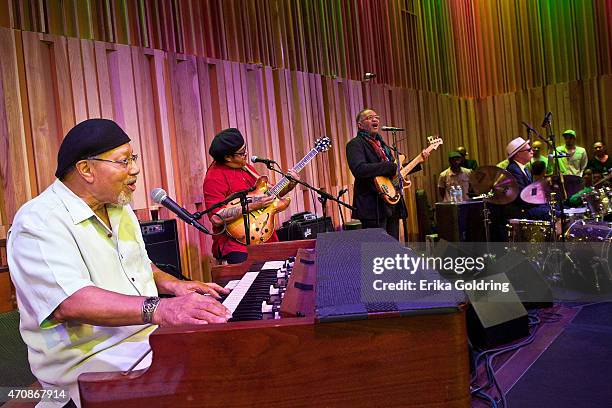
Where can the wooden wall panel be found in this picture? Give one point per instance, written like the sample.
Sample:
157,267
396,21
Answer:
90,73
465,48
173,104
15,185
122,80
191,152
77,83
50,103
147,114
604,86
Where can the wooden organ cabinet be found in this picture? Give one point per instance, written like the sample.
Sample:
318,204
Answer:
327,355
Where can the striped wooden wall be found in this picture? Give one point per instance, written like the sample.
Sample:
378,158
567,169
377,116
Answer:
172,105
264,67
468,48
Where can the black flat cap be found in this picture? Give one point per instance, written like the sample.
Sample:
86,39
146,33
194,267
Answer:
89,138
226,142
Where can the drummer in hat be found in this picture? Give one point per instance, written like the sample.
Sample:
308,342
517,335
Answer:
519,154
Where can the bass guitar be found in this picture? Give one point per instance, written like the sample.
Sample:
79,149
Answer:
261,222
389,188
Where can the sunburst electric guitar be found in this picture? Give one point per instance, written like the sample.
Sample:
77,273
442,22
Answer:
389,188
261,222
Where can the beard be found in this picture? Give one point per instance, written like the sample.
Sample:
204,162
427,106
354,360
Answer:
124,198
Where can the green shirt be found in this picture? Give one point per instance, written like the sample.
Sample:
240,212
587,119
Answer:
574,165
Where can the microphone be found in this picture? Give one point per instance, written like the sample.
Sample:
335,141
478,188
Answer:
255,159
391,129
160,196
559,155
547,118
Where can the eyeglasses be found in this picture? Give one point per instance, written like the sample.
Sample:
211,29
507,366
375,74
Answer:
526,150
371,117
243,154
125,162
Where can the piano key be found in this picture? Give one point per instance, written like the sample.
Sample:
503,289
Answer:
273,265
232,284
233,299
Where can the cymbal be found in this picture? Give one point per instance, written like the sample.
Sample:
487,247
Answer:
539,192
499,181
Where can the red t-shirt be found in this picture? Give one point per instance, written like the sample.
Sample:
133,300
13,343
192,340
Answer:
220,182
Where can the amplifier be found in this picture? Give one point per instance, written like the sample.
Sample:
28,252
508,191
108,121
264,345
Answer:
161,240
460,222
304,229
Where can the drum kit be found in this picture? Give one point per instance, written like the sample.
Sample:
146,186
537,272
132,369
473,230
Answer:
575,242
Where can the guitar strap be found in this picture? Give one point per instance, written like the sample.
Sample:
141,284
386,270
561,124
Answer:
251,171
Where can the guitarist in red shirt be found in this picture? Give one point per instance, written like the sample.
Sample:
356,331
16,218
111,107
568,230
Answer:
228,174
368,157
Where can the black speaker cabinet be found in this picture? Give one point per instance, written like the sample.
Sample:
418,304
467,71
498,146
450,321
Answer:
495,318
305,229
161,241
460,222
530,286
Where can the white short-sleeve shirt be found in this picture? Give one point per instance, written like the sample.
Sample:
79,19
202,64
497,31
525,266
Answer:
447,179
56,246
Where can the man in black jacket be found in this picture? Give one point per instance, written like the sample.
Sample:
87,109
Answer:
368,157
519,155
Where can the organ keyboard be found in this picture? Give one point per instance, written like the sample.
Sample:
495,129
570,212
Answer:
287,357
237,294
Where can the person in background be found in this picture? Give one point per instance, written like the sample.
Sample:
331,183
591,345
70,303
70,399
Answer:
86,289
537,155
590,177
454,175
503,164
576,160
601,162
467,163
538,170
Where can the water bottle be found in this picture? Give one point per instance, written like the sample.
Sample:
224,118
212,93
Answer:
459,192
452,194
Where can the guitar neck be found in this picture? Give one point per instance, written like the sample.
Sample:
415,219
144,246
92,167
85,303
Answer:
282,183
410,166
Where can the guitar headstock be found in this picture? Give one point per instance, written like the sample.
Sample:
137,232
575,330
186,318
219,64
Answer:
323,144
434,142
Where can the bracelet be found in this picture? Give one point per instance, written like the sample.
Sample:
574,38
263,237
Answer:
148,308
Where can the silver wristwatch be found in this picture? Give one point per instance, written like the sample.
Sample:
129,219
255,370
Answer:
148,308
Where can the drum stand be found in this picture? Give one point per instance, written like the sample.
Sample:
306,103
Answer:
486,215
558,254
554,254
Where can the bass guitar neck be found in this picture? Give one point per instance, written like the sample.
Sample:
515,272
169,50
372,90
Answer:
389,188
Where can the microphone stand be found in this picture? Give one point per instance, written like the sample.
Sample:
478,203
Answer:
340,211
400,180
244,201
323,196
551,138
530,129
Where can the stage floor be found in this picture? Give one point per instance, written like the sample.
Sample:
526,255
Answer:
568,364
